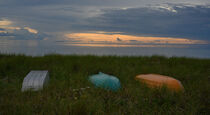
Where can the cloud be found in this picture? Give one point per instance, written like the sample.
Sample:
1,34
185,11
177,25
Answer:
175,21
171,9
5,22
97,2
98,38
22,34
9,31
158,20
6,25
118,39
31,30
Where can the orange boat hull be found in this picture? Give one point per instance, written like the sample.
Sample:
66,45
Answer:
155,81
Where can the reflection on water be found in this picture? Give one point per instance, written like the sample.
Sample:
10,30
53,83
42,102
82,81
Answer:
42,47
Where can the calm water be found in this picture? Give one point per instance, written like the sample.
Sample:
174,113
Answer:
39,48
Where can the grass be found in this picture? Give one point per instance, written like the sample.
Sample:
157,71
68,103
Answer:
68,73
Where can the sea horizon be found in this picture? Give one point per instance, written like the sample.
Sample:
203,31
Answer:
41,48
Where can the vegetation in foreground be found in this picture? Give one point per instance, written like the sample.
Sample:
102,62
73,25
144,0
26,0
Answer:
68,73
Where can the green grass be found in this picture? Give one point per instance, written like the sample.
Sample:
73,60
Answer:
71,72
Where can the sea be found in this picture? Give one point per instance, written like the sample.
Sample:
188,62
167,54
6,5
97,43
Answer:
41,48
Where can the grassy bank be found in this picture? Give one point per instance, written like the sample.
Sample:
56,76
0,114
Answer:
71,72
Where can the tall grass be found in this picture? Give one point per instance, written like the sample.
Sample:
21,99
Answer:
68,73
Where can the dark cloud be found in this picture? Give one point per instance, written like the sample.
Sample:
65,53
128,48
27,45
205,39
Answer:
54,16
118,39
97,2
5,34
187,21
60,2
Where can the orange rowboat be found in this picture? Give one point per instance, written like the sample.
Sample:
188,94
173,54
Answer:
155,81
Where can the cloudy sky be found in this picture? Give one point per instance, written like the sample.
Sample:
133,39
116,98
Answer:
122,22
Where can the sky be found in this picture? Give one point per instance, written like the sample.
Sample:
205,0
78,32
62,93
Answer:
106,22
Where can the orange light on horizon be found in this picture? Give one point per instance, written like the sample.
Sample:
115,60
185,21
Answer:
116,37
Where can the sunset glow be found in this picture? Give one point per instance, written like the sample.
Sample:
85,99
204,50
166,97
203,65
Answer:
5,22
119,27
31,30
104,37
